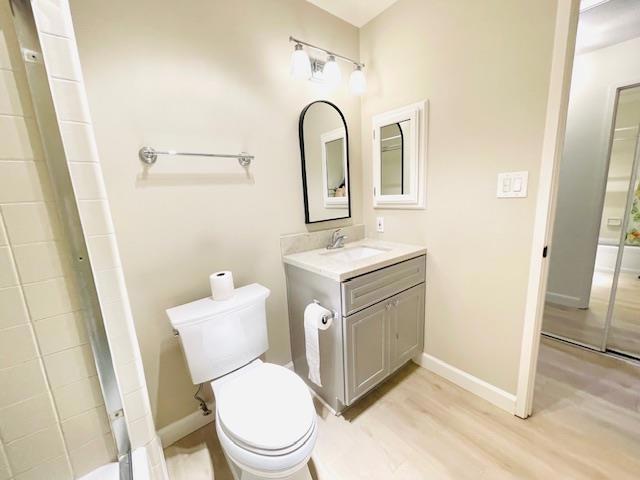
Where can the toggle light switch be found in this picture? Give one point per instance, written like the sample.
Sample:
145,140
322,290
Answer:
512,184
506,185
517,184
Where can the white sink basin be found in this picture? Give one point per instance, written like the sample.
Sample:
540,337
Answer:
352,254
355,258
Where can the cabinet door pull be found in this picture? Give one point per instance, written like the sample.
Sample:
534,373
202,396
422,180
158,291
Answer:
388,306
396,302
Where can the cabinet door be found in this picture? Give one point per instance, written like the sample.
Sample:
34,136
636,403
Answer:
407,325
366,349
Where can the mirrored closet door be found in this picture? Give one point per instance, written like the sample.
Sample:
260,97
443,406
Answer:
593,298
623,333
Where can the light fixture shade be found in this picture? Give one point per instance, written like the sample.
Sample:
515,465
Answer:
331,72
300,64
358,82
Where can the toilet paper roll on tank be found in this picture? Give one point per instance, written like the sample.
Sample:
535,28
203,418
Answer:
221,285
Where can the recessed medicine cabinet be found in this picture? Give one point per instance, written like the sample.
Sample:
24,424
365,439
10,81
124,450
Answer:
399,151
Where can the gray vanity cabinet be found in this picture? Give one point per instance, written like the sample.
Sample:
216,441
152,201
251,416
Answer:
382,338
378,326
407,326
366,349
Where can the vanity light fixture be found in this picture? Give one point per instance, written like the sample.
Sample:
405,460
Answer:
357,81
331,72
300,64
303,67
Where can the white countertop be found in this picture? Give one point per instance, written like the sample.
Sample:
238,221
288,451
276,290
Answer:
322,262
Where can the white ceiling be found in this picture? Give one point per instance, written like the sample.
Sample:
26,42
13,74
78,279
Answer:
604,23
356,12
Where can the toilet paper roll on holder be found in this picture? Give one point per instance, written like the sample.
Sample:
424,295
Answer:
325,318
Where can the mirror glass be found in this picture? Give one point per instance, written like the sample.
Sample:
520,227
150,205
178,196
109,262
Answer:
325,162
394,172
398,156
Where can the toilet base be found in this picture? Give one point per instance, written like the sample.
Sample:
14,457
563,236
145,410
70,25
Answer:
239,474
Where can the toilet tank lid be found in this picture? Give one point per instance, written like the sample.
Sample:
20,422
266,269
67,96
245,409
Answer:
205,308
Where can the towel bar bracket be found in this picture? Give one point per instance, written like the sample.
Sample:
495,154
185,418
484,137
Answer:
148,155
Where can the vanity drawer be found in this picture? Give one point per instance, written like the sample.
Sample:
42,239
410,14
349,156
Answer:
371,288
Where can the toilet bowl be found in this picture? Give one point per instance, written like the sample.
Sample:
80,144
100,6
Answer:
265,418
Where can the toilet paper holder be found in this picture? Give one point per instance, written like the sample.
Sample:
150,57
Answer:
325,318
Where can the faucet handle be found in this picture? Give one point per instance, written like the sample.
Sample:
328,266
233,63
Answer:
337,239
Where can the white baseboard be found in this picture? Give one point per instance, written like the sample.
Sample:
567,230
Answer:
491,393
173,432
181,428
564,300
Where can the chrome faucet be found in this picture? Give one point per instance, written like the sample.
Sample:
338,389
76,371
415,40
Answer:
337,240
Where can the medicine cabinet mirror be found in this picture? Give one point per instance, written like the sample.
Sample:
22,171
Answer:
324,149
399,149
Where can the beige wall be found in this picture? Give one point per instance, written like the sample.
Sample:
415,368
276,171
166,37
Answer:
207,76
52,418
484,67
214,77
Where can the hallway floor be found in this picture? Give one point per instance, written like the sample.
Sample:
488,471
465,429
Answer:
587,326
586,425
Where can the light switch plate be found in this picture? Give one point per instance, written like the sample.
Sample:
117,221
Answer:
512,184
380,224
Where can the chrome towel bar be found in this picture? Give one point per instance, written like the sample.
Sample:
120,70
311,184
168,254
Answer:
149,155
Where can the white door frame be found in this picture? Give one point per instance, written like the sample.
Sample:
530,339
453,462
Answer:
555,125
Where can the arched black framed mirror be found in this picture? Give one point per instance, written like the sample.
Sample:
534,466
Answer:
324,152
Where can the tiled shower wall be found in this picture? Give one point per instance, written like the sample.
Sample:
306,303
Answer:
25,182
52,419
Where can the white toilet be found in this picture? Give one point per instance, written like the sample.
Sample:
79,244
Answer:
265,418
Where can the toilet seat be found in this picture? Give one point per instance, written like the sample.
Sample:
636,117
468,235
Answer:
265,418
267,466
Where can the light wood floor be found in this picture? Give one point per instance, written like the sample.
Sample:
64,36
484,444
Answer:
587,326
418,426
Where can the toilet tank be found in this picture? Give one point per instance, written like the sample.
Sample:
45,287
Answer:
218,337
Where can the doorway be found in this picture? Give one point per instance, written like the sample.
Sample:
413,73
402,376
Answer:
593,291
607,316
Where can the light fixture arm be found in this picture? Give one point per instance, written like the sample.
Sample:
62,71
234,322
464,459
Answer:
328,52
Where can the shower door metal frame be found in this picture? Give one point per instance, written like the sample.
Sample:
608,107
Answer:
56,161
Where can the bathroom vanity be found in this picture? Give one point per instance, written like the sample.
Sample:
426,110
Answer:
376,291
